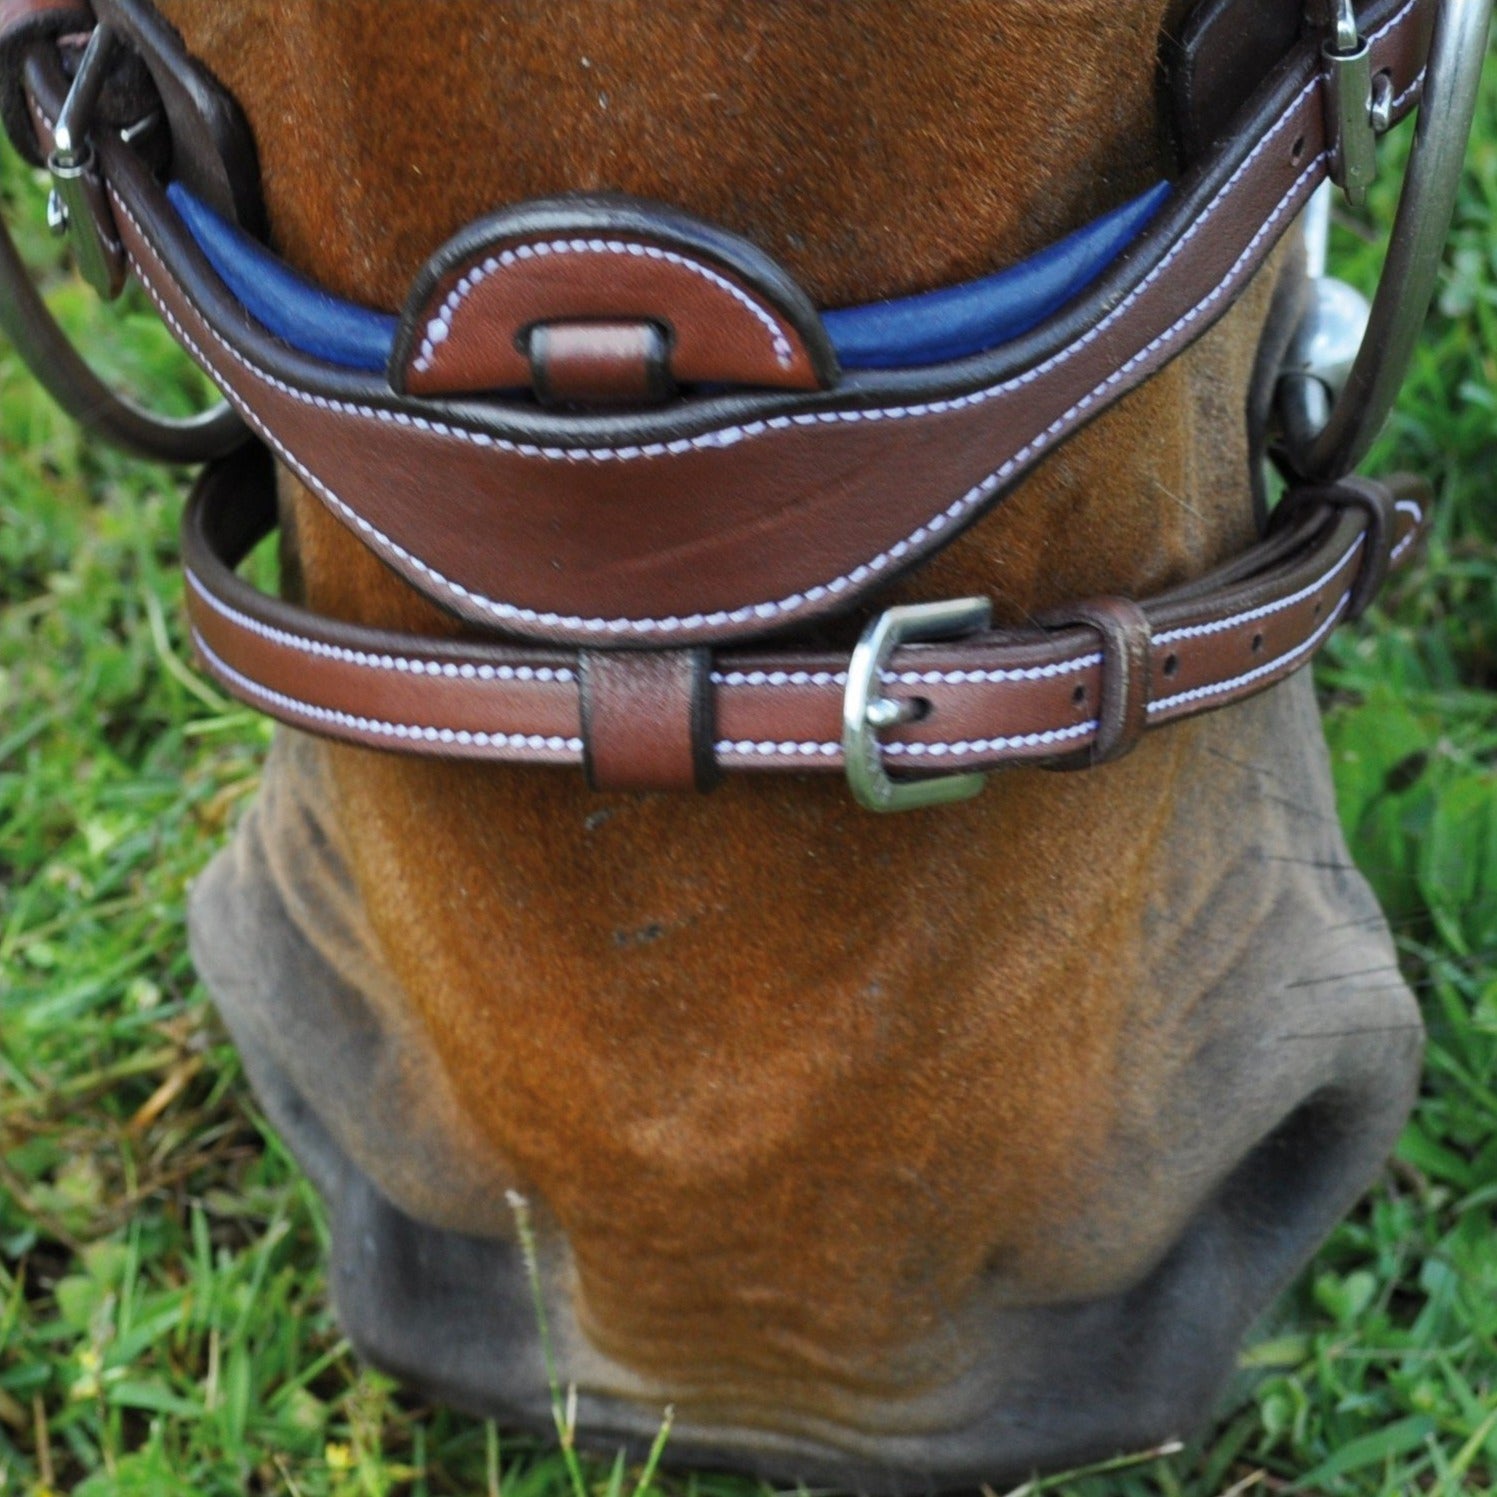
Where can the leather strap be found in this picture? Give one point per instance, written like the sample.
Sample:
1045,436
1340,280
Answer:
1008,696
25,24
599,363
1225,51
720,518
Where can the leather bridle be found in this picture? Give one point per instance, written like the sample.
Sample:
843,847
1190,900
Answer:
617,444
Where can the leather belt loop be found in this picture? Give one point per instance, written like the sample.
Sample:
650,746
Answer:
647,719
1376,501
1123,712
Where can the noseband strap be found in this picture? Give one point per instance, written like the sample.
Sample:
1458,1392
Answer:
614,443
999,697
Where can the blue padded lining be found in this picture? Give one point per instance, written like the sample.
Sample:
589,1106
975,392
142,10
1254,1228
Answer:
910,331
978,315
294,309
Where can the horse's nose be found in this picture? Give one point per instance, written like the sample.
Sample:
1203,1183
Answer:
950,1243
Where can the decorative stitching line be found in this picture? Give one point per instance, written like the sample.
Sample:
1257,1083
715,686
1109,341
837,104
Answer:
401,664
909,678
439,328
770,748
732,435
1216,688
535,741
1216,626
796,601
1408,506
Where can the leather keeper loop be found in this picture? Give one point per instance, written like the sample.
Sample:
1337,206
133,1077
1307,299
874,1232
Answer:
600,363
647,719
1376,501
1123,712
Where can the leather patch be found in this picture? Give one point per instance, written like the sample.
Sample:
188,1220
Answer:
600,363
730,316
647,719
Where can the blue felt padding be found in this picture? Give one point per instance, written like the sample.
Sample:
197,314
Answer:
295,310
979,315
914,330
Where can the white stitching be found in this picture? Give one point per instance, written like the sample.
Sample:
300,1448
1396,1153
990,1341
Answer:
535,741
909,678
401,664
770,748
730,436
440,326
1216,688
795,601
1216,626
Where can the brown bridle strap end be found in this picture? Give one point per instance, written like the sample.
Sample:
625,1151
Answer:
1379,504
1123,708
648,719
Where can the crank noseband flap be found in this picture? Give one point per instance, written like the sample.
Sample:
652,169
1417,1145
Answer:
723,313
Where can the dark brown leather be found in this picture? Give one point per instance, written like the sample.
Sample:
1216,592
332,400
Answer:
1378,503
1123,710
647,719
25,24
730,314
599,363
1002,697
213,148
1223,54
699,528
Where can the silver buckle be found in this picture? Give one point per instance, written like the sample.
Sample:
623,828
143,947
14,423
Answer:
1352,105
1446,109
866,712
71,163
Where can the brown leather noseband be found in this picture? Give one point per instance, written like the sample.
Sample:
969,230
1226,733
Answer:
617,444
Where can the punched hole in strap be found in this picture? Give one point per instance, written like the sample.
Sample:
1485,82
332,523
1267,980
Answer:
1123,711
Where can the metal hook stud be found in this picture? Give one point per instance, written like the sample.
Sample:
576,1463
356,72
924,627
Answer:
1446,111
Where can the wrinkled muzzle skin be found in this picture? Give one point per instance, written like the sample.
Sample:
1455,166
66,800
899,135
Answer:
892,1152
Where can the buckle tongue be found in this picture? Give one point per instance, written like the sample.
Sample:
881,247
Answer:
866,712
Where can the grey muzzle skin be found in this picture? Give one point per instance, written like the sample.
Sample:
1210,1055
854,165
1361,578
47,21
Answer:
1291,1073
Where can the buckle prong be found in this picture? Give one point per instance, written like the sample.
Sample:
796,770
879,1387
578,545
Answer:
866,712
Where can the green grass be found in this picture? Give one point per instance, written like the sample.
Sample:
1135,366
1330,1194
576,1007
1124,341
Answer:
164,1327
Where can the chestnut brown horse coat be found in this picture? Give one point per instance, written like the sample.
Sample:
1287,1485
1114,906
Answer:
899,1151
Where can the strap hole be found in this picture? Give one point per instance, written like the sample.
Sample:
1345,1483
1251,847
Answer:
1319,608
1078,696
1172,665
918,708
1257,644
1297,150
